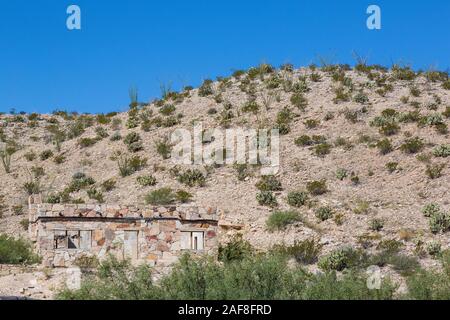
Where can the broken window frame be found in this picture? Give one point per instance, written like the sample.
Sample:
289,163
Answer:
193,240
71,239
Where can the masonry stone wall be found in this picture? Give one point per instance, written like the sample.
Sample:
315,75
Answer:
157,236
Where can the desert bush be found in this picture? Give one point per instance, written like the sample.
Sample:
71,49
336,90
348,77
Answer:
429,285
439,222
46,154
167,109
317,187
311,123
336,260
87,142
129,165
361,97
24,223
324,213
266,198
434,248
305,252
269,183
279,220
392,166
108,185
431,209
80,181
30,156
95,194
183,196
434,171
206,89
16,251
59,159
376,224
242,170
442,151
299,101
412,145
146,181
341,174
164,148
385,146
115,137
235,250
322,149
133,142
254,277
250,106
32,186
192,177
163,196
297,198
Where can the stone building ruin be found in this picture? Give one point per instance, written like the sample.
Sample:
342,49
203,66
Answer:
158,236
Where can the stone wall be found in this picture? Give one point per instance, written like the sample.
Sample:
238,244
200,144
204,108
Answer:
65,234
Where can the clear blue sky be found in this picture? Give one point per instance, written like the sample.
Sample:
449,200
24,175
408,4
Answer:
143,43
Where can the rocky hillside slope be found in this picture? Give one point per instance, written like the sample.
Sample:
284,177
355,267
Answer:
363,151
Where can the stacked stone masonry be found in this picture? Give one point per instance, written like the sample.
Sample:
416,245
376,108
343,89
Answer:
158,236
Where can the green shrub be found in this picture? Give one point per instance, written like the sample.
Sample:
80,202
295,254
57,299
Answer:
341,174
254,277
442,151
311,123
434,171
439,222
129,165
446,85
317,187
250,106
87,142
206,88
279,220
32,186
46,154
80,181
163,196
412,145
59,159
95,194
16,251
115,137
305,252
30,156
324,213
183,196
101,133
431,209
299,100
133,142
297,198
164,149
192,177
266,198
335,260
25,223
376,224
361,97
322,149
392,166
385,146
167,109
269,183
303,141
235,250
146,181
434,248
109,185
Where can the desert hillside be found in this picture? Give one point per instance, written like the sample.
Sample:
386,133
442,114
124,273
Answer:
364,156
